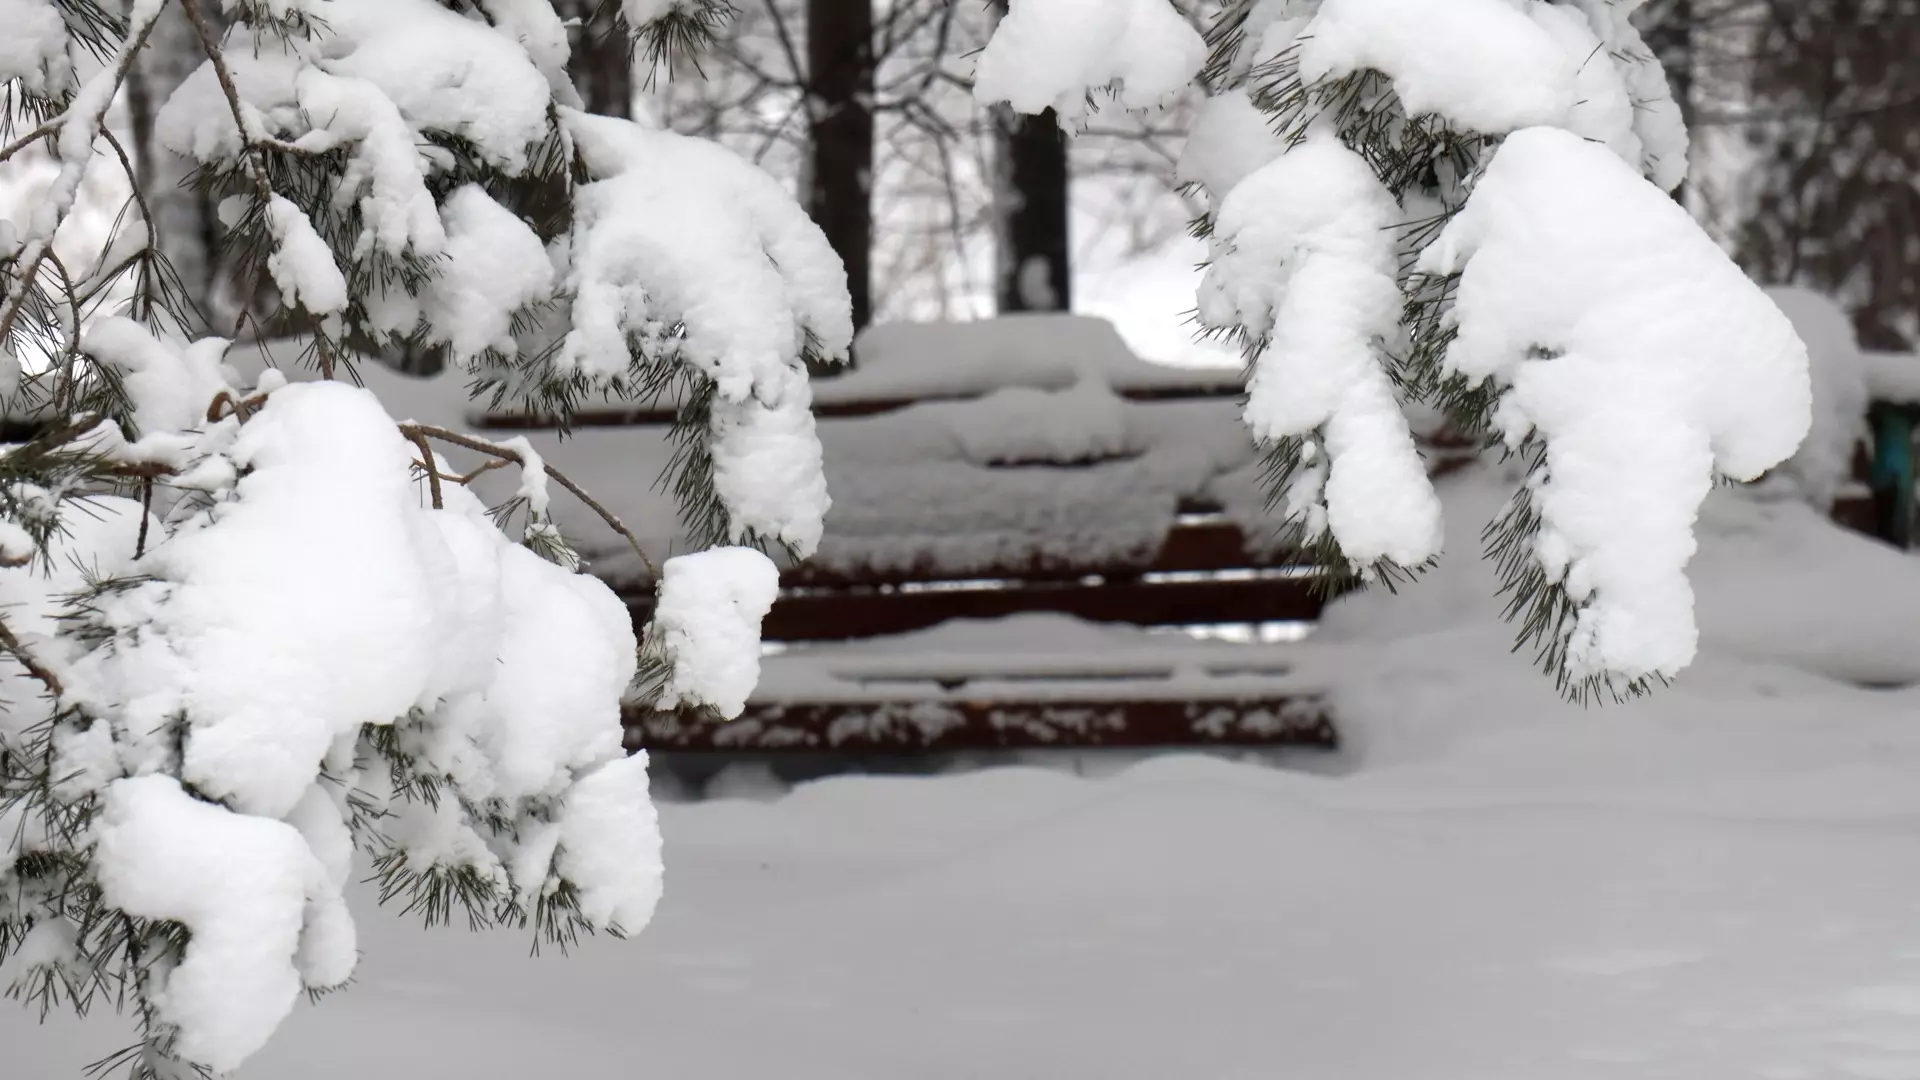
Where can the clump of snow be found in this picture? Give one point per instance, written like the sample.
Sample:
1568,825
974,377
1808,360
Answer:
386,164
197,121
609,840
1056,53
444,72
492,267
274,661
1601,108
303,266
1483,64
17,546
550,709
171,387
674,228
682,243
34,48
708,621
1645,360
272,658
1230,139
1270,29
1495,66
1304,261
533,476
536,25
238,883
1658,123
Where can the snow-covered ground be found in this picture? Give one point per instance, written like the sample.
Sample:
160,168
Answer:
1721,882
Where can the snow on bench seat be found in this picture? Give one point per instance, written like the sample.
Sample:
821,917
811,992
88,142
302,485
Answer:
1033,680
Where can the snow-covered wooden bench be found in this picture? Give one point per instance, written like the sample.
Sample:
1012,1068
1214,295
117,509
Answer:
1026,517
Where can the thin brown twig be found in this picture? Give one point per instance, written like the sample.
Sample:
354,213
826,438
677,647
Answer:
218,58
13,645
482,446
64,387
468,478
255,155
146,512
31,137
426,463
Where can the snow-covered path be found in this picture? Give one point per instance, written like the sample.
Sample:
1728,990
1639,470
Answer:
1192,918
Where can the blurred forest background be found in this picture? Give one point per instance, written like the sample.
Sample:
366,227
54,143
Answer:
1806,116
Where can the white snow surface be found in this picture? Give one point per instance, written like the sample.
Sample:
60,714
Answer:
1623,336
1056,53
1044,350
1713,883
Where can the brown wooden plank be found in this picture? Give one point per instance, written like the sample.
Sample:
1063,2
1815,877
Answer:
915,726
839,615
1857,512
658,415
1189,547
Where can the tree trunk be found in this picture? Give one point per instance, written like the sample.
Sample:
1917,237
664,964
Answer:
839,188
1034,271
601,64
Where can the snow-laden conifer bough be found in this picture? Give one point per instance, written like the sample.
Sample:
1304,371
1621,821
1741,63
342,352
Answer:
262,639
1463,205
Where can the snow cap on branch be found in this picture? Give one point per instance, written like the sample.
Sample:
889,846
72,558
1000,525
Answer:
1229,140
1303,259
34,48
1494,66
708,618
1482,64
1627,341
1058,53
682,244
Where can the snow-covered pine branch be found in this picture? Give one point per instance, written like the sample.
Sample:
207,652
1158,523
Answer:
256,633
1460,205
